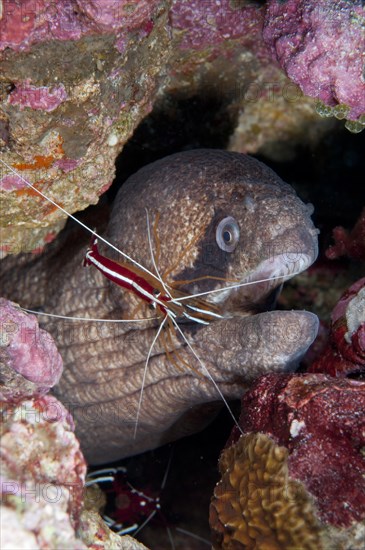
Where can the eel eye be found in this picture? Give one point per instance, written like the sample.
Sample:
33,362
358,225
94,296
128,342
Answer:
227,234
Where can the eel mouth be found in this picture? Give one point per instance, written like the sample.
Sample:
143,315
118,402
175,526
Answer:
259,290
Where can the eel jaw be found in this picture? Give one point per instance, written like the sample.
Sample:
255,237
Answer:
262,286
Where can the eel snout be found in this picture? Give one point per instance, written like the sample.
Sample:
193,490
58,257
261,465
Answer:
280,259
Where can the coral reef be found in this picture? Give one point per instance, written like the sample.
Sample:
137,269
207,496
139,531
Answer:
75,82
306,38
349,243
76,79
29,361
43,471
319,421
345,350
222,55
257,505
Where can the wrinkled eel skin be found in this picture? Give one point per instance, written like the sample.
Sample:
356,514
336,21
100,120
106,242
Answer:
192,192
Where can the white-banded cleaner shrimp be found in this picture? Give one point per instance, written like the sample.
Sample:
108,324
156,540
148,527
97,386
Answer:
219,215
143,498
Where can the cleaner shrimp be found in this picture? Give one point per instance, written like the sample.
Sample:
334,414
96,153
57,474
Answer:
171,306
137,497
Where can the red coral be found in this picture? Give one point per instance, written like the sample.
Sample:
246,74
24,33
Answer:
321,421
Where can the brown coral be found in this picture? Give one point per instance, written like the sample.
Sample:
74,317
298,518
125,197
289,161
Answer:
256,505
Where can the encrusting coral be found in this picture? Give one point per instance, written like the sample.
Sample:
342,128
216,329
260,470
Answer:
318,421
256,505
75,82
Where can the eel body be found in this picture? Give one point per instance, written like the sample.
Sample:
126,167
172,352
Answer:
215,218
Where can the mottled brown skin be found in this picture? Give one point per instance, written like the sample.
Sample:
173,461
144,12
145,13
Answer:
104,363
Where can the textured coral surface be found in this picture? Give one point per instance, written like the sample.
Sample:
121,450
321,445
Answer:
75,81
320,420
211,23
29,361
43,471
256,505
320,46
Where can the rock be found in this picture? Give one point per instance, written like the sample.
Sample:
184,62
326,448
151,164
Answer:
29,361
42,475
96,534
319,44
76,81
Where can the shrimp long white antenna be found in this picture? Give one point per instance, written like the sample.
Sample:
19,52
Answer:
146,521
126,530
193,535
163,483
169,534
70,318
145,374
103,479
207,373
109,471
238,285
78,221
153,256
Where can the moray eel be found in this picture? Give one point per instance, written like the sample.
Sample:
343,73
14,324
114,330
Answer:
216,218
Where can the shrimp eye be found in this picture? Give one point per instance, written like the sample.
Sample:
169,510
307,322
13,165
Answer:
227,234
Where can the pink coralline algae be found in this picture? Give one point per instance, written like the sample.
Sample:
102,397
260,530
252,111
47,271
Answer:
42,475
28,22
320,46
29,361
24,23
38,98
116,14
345,350
11,182
349,243
210,23
321,421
